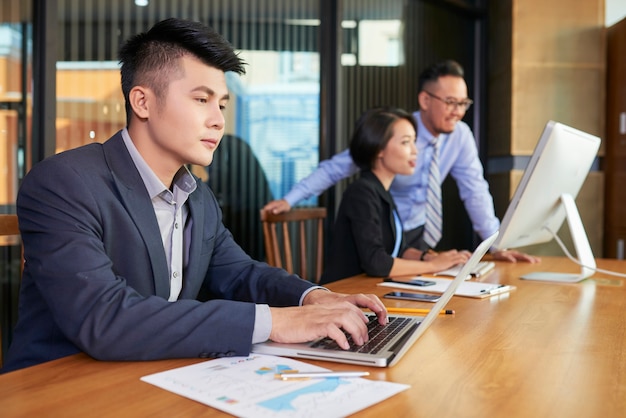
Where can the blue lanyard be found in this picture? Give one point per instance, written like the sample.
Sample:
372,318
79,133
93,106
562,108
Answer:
396,247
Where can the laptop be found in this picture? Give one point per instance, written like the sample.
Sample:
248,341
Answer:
387,343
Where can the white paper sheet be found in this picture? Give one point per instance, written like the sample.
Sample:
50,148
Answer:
247,387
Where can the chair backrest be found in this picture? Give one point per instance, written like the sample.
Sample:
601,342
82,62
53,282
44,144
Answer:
306,226
9,227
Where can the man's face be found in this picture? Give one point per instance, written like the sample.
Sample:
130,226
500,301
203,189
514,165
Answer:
437,116
187,124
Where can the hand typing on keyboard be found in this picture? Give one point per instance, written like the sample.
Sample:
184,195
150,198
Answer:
327,314
378,334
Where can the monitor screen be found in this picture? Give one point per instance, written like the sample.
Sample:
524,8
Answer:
545,195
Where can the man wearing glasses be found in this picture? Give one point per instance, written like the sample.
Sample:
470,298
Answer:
443,102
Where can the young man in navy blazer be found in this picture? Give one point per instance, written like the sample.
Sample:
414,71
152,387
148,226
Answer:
126,254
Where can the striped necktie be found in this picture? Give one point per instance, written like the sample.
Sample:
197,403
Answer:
432,226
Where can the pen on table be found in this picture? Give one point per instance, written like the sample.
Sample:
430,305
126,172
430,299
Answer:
419,311
413,282
495,290
319,375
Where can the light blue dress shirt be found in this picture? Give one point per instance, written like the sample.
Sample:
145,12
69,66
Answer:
458,156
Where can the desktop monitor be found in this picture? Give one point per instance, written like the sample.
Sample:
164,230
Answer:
545,197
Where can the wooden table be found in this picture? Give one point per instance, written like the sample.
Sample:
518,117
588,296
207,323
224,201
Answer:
544,350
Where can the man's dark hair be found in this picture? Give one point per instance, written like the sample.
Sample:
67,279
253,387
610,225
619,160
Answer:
440,69
152,58
372,132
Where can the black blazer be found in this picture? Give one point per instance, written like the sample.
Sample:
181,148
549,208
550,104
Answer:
96,277
364,234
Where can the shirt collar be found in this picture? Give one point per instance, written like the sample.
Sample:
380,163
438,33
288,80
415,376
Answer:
424,134
183,178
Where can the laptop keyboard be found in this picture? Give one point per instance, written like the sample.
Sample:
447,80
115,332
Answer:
379,336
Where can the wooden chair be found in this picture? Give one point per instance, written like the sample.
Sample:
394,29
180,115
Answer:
9,228
306,227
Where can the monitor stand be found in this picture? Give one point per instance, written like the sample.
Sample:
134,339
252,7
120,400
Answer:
581,245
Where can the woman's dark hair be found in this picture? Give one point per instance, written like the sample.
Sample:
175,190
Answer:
152,58
372,132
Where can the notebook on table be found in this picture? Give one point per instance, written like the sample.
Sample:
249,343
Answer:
481,270
387,344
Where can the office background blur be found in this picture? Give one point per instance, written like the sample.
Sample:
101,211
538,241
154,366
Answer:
314,66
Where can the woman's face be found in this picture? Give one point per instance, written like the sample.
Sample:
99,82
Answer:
400,154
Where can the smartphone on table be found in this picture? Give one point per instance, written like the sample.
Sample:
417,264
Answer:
421,297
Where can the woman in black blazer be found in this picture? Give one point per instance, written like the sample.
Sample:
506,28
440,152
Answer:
367,236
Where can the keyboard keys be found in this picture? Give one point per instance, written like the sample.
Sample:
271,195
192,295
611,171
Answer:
379,336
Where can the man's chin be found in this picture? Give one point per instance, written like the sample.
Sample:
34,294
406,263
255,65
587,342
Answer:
448,129
205,162
448,126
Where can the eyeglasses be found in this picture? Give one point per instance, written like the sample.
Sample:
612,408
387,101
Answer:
451,104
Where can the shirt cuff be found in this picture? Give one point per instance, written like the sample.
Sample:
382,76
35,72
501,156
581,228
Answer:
262,324
263,318
293,197
306,292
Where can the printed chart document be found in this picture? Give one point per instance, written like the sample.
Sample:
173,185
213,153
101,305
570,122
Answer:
247,387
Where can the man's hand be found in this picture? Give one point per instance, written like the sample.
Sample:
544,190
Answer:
277,206
326,314
514,256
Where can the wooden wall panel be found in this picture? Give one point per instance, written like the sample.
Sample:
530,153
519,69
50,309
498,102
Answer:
558,53
573,95
615,225
558,31
557,71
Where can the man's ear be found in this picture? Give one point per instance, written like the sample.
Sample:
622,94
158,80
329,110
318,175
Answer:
423,99
138,98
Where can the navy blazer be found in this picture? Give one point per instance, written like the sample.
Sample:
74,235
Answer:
96,277
364,234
